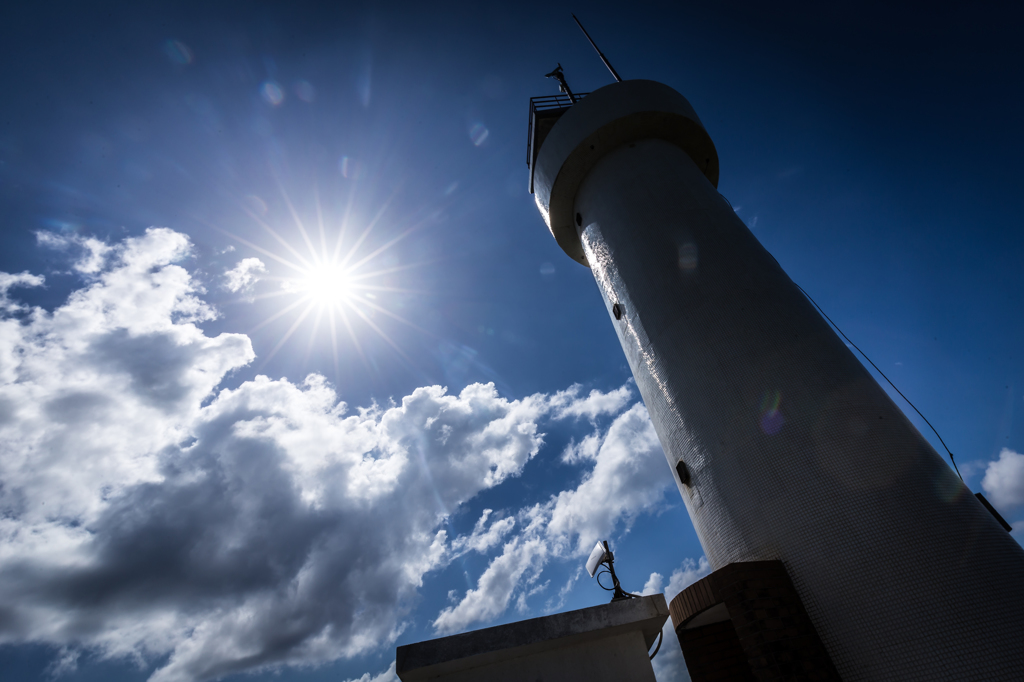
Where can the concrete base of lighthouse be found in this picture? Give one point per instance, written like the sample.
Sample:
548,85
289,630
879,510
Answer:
607,643
745,622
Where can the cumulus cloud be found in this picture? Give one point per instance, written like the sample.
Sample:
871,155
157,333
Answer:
690,572
1004,479
568,403
149,513
388,675
92,252
490,597
586,450
9,281
483,537
243,277
628,478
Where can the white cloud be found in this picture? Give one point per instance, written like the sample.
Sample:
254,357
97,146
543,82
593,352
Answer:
567,403
243,277
521,602
553,605
388,675
690,572
654,585
92,252
9,281
586,450
483,538
91,392
669,665
1004,480
147,514
494,588
628,478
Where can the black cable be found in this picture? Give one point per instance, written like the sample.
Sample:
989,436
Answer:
617,589
883,376
661,636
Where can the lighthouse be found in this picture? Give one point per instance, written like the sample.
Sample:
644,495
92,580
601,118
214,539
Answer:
843,546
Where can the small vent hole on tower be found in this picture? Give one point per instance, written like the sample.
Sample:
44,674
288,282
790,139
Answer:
617,311
684,473
579,220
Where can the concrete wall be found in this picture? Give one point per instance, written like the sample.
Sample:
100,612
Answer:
606,643
619,657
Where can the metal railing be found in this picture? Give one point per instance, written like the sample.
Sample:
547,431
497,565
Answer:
546,103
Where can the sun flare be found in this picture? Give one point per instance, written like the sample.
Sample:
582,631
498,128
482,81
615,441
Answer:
333,277
325,284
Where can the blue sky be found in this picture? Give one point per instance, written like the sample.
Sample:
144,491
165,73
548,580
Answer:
168,515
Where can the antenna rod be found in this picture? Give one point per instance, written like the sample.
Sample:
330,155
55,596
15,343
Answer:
599,53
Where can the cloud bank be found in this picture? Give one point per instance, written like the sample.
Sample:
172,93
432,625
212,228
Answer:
1004,480
628,478
147,513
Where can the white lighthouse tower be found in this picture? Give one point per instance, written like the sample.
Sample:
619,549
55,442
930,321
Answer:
784,447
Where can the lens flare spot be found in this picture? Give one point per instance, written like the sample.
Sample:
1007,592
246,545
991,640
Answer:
351,168
178,52
688,257
305,91
478,134
771,418
256,204
272,93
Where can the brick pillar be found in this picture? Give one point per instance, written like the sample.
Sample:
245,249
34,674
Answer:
746,622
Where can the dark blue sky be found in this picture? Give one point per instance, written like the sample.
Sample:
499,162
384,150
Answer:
874,149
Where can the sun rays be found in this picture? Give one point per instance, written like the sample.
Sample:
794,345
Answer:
331,278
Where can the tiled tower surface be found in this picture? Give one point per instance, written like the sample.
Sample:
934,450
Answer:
746,622
793,451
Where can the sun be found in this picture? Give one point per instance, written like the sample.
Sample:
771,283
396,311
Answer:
333,277
325,284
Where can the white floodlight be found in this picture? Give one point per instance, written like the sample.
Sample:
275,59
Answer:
602,556
597,557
